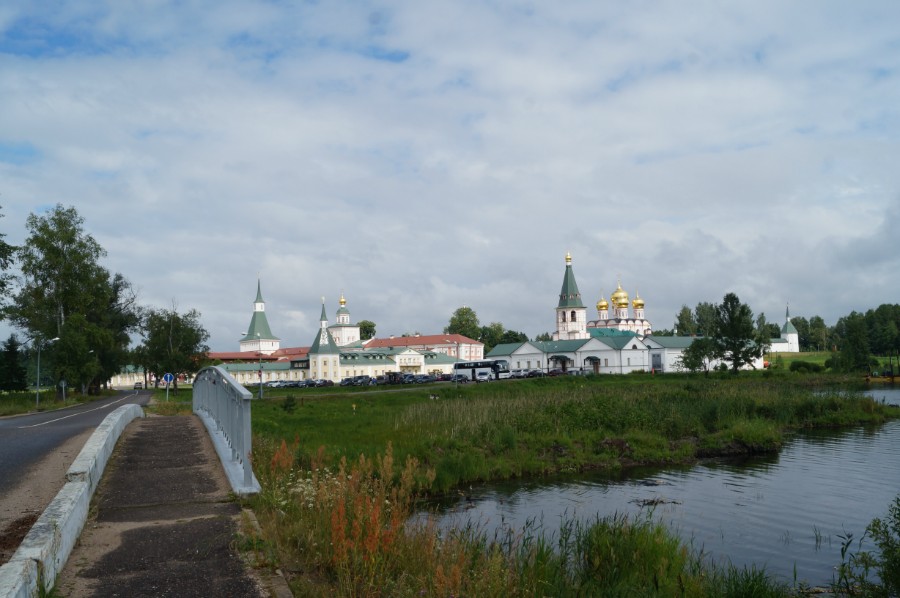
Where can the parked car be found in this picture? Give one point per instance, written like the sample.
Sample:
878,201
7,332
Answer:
138,385
362,381
445,377
347,382
483,377
459,379
425,379
534,374
409,379
517,373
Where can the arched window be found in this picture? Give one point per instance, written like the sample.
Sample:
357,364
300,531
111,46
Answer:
563,315
573,315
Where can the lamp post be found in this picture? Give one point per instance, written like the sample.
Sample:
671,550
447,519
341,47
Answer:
259,354
37,386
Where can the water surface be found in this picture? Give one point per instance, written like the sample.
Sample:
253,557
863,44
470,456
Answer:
777,511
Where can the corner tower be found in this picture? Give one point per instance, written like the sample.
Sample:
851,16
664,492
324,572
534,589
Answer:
259,337
571,314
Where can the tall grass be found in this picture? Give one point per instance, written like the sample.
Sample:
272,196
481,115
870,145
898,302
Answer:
344,531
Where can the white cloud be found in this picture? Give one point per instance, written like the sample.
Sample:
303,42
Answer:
422,156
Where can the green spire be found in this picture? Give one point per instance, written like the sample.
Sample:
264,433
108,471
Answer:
259,324
569,295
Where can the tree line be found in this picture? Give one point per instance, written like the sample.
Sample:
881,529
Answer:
79,317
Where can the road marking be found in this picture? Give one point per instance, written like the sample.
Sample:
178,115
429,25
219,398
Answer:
74,414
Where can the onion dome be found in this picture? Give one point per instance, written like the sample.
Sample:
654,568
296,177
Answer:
603,304
619,297
343,301
638,303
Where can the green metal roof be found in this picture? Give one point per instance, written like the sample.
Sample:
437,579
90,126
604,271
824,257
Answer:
504,349
569,295
788,327
324,343
259,328
259,324
618,342
672,342
569,346
607,332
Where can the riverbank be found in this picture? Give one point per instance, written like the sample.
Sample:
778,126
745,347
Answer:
335,520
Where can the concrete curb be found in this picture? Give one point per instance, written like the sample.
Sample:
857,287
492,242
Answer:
46,547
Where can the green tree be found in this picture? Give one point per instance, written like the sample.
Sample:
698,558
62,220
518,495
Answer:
684,322
802,326
706,318
697,356
543,337
854,355
766,329
7,256
464,321
491,335
13,376
62,280
737,341
512,336
174,343
818,334
366,329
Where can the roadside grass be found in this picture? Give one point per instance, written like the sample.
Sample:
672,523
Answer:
17,403
341,474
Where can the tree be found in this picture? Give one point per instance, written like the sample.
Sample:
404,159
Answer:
802,326
464,322
684,322
766,329
854,353
366,329
13,376
697,356
174,343
490,335
63,281
543,337
705,317
512,336
736,340
818,333
7,255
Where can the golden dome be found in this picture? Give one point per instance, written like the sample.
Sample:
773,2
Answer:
568,258
343,301
603,304
638,303
619,297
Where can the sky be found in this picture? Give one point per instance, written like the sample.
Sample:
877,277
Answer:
419,156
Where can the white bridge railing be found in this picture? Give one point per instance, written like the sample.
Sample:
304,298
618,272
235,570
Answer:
224,407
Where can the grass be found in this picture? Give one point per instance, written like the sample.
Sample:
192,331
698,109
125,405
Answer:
341,472
16,403
533,427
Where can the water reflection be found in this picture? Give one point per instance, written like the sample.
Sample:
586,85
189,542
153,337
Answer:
776,510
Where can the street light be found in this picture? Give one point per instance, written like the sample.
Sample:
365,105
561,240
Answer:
37,390
259,354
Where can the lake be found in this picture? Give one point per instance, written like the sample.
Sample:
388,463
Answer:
779,511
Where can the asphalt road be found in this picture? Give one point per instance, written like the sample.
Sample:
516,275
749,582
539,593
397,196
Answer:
26,439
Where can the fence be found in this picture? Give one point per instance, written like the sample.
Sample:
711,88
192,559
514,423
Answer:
224,407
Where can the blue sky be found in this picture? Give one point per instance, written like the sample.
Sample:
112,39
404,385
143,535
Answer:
420,156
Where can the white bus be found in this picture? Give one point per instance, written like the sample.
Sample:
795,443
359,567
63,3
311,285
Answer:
498,369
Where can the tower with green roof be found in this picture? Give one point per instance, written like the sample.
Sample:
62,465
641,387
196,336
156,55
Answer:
259,337
571,314
789,333
324,353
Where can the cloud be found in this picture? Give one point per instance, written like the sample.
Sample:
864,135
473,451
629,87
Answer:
422,156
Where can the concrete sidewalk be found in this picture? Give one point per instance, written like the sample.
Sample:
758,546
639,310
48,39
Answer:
162,522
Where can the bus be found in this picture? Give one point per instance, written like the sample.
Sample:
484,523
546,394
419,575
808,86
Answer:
497,368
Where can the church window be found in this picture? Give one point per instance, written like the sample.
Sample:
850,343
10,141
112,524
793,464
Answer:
573,315
563,314
605,362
